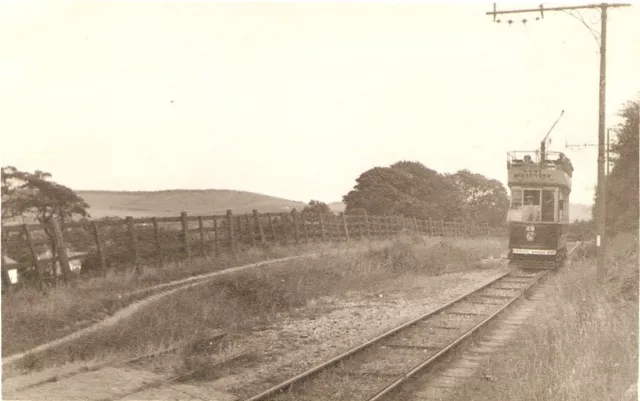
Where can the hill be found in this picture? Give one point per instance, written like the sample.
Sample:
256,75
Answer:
172,202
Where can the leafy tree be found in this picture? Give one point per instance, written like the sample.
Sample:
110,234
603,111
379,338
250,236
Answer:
407,188
622,183
317,207
35,195
485,200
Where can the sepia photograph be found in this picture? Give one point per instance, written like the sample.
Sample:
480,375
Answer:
295,200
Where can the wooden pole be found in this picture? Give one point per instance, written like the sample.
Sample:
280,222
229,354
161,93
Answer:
344,226
203,244
256,217
216,237
252,233
133,243
158,241
366,224
232,243
34,257
272,228
240,231
185,234
359,225
304,227
61,251
100,248
294,215
323,231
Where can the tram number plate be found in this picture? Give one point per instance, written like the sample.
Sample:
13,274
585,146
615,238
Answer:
534,251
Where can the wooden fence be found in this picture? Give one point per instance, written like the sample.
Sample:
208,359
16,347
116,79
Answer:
42,251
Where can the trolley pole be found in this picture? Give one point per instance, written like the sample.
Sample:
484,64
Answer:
600,192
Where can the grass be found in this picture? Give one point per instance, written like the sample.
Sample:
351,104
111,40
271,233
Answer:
238,302
30,318
583,341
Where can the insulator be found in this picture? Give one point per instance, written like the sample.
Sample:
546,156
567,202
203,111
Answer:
524,21
510,22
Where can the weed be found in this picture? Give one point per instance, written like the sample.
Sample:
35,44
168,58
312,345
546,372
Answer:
582,342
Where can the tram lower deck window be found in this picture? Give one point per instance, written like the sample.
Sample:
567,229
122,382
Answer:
532,197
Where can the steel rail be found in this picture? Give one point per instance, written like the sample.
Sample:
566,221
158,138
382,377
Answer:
306,374
455,342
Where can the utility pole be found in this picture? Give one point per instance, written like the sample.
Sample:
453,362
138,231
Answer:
600,192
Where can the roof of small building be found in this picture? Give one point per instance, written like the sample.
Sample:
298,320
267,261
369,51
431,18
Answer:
7,260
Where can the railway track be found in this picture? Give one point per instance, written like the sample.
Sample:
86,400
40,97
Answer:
372,370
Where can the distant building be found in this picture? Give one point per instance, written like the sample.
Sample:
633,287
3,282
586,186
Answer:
74,265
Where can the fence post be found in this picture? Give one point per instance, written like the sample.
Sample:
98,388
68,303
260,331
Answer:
366,224
272,228
252,233
294,215
285,217
240,233
216,238
359,225
344,225
133,242
185,234
256,217
305,229
442,228
34,257
232,242
98,240
203,245
323,231
61,251
156,236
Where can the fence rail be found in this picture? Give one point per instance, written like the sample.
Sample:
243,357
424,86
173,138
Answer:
41,252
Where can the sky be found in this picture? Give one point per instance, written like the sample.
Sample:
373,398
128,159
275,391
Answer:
297,99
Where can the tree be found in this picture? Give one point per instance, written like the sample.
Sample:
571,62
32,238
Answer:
622,183
485,200
405,188
317,207
35,195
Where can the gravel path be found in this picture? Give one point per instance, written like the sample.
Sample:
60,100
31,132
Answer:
331,326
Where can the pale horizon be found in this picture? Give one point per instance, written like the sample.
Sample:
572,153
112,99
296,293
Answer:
293,100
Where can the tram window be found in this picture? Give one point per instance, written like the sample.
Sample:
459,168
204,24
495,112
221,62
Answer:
548,206
531,209
516,199
531,197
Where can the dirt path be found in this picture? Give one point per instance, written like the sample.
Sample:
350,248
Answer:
173,287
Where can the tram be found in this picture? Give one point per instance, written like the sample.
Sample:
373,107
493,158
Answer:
538,218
